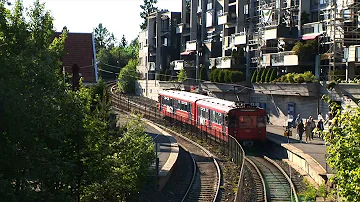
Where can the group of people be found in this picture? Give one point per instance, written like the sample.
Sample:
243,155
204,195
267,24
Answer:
308,127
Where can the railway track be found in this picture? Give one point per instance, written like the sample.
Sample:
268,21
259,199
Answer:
202,181
272,183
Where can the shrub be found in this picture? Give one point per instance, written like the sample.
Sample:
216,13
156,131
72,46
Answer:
213,74
227,76
273,75
258,76
299,78
267,76
253,77
237,76
263,75
220,76
308,77
203,74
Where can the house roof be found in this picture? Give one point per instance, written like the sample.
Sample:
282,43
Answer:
79,50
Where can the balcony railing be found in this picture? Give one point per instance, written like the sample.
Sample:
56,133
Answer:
227,18
181,64
191,45
286,58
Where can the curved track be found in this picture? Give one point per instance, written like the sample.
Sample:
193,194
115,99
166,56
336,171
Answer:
205,179
278,185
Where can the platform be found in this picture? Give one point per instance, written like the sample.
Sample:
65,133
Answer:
310,157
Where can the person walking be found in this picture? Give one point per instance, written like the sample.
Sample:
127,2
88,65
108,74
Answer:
300,130
307,132
312,126
320,127
298,120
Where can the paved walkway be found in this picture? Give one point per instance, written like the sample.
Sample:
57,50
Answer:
316,149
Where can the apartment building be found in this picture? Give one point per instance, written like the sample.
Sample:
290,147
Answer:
251,34
159,44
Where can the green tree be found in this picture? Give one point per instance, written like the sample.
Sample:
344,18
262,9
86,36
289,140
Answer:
263,75
182,75
203,73
212,75
221,76
267,76
237,76
273,75
147,8
227,76
123,42
343,150
258,76
103,38
254,76
127,77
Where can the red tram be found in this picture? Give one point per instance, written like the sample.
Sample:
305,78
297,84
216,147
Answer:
214,115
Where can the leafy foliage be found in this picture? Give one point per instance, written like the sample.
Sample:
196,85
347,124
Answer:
127,77
147,8
273,75
182,75
263,75
57,144
226,76
254,76
103,38
306,51
306,77
258,76
343,150
267,76
203,74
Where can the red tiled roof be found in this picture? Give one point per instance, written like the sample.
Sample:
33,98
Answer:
79,49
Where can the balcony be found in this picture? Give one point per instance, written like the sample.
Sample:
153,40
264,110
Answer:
179,28
226,62
191,45
151,66
181,64
281,32
229,42
239,38
287,58
353,53
227,18
312,28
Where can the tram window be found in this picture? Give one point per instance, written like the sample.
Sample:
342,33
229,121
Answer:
217,117
203,112
261,121
182,105
233,121
247,121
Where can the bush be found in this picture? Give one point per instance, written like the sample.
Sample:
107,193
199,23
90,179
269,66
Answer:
263,75
268,73
273,75
253,77
213,74
299,78
220,76
307,77
203,74
237,76
258,76
227,76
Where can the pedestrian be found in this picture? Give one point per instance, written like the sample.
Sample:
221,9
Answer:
320,127
300,130
307,132
312,126
298,120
